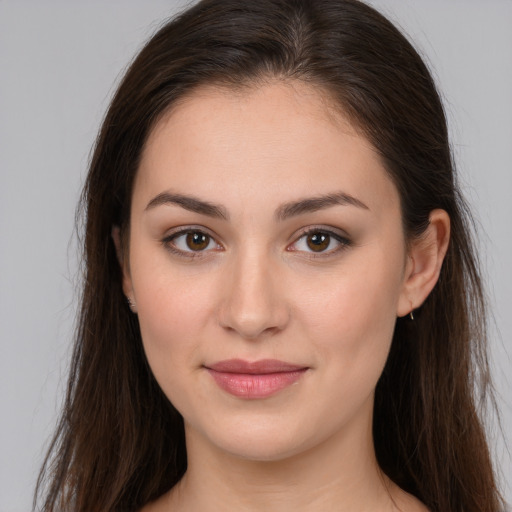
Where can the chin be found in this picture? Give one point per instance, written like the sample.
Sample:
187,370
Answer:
262,449
264,439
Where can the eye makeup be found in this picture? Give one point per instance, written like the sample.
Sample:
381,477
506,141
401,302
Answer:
191,242
320,242
312,242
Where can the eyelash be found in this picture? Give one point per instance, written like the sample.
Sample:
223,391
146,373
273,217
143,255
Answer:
343,241
170,240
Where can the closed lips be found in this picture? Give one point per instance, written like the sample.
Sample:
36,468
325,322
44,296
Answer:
254,380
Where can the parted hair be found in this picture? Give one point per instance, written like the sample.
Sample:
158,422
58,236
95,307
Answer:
120,442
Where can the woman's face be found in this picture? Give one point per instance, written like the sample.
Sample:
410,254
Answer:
267,263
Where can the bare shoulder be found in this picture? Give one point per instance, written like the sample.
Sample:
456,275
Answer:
415,505
150,507
161,504
406,502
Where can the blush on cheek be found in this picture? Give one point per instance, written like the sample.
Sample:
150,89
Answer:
165,347
171,322
355,322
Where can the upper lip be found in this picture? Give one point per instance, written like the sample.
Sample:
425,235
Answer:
254,367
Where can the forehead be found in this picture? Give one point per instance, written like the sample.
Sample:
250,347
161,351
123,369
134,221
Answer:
285,140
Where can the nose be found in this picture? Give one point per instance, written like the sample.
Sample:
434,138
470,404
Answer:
254,303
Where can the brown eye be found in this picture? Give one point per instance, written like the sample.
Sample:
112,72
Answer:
318,241
190,243
197,241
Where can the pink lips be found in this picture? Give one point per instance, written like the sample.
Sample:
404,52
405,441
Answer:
252,380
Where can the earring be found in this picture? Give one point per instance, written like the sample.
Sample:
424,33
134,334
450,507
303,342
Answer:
131,304
411,316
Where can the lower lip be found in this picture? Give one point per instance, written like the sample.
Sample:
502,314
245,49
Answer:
253,386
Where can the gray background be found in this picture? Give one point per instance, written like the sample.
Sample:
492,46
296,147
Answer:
58,63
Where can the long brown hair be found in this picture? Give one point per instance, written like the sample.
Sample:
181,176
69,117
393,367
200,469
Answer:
120,443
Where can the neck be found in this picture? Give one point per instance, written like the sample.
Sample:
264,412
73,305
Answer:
340,474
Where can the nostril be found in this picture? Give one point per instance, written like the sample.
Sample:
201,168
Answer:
250,328
254,321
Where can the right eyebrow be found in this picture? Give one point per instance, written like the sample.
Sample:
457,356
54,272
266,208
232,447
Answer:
190,203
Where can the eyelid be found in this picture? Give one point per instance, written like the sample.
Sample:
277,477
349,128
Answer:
183,230
339,235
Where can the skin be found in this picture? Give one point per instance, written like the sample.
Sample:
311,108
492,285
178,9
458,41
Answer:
258,291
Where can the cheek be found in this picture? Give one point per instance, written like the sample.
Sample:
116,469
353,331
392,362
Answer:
351,318
173,311
359,298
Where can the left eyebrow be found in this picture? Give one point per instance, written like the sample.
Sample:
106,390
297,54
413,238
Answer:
313,204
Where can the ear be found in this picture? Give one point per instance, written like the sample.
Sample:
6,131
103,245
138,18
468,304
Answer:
424,262
125,267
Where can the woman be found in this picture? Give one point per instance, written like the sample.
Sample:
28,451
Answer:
282,308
